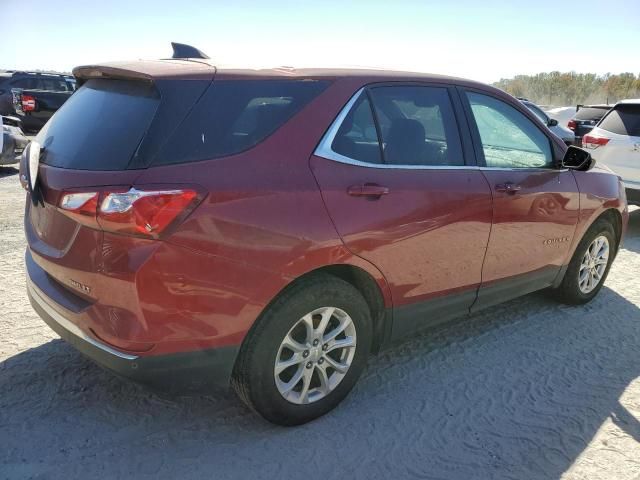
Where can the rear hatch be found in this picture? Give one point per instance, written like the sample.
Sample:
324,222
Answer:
97,144
586,118
615,142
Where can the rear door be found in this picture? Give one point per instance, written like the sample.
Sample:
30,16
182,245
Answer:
396,175
535,204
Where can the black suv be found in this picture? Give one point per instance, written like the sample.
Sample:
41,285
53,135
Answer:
586,118
39,81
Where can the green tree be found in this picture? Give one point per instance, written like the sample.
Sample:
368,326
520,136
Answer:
571,88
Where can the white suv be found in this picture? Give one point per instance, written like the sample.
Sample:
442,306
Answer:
615,142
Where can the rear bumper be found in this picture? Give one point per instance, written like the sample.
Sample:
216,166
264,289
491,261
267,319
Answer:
190,371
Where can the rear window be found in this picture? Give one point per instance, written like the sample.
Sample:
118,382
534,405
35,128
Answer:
54,84
100,126
233,116
26,83
591,113
623,120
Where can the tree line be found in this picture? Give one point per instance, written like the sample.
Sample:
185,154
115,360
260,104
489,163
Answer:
568,89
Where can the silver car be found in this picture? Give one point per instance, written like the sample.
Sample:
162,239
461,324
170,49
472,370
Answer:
552,124
13,141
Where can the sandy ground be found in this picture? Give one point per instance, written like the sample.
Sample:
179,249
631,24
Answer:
527,390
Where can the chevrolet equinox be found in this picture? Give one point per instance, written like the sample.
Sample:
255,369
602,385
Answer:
191,226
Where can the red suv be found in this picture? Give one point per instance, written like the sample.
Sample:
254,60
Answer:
189,225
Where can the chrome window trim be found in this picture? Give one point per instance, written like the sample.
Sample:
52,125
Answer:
524,169
324,150
40,299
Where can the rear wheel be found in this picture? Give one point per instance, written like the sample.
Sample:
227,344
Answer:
590,265
306,352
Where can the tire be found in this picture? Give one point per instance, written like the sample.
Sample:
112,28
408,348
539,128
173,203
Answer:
570,291
255,378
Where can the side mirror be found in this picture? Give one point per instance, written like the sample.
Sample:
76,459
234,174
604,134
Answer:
578,159
552,122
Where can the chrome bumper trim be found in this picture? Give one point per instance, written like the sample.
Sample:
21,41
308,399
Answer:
40,298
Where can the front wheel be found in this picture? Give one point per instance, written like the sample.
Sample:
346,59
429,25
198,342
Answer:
306,352
590,265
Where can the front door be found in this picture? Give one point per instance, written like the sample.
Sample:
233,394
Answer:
535,204
401,196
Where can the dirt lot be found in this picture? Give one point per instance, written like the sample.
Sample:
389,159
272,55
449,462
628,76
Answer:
530,389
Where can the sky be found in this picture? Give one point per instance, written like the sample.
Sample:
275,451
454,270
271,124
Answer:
482,40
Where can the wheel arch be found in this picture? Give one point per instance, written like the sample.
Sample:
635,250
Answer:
374,290
611,215
614,217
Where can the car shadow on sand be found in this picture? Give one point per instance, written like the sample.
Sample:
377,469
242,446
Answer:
8,171
632,239
517,391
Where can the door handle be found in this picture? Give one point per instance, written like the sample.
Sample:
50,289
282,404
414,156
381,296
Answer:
367,190
508,187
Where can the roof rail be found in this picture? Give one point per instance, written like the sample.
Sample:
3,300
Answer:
182,50
34,72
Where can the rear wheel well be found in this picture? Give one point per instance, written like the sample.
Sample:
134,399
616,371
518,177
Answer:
368,288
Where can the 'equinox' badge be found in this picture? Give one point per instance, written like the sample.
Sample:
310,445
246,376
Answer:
551,241
80,286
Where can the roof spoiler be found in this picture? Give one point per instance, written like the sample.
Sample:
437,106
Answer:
182,50
87,72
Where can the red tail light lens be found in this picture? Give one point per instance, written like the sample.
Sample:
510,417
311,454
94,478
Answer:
593,142
134,212
572,125
142,212
82,206
28,103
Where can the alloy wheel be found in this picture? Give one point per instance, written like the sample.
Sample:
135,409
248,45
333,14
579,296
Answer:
594,264
315,355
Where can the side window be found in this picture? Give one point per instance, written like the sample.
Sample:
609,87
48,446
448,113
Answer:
52,84
509,139
235,115
357,137
38,84
418,126
25,83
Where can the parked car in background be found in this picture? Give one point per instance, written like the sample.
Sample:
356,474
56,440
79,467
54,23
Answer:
33,96
271,228
13,140
615,142
586,117
36,107
561,114
566,135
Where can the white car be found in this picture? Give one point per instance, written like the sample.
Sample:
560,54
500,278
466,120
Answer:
615,142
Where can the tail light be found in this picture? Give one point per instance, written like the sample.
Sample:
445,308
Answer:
28,103
146,213
572,125
593,141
